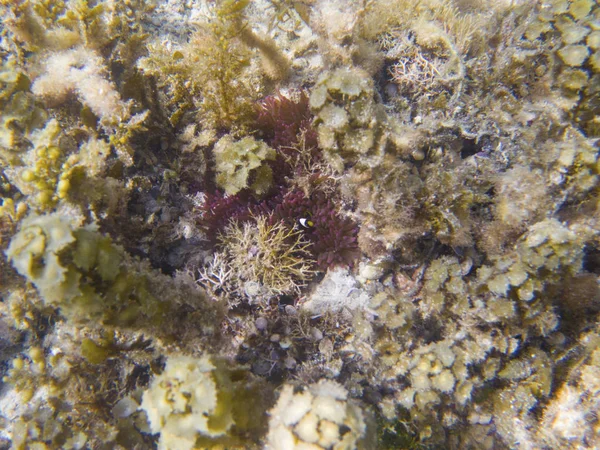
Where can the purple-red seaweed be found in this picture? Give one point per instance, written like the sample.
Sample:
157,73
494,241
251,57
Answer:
285,124
281,120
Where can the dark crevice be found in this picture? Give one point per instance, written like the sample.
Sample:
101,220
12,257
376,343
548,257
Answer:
591,259
470,147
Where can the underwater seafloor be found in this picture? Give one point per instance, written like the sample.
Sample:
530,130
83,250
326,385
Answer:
299,224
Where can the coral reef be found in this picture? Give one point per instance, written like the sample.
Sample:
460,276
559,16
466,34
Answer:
313,224
315,418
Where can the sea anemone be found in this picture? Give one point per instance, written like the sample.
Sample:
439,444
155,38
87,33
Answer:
285,124
334,237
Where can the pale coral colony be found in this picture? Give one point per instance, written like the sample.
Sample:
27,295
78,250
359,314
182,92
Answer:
299,224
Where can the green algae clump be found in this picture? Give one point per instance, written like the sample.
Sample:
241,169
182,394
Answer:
242,164
191,401
79,270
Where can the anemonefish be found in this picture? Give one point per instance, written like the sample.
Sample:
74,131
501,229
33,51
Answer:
306,223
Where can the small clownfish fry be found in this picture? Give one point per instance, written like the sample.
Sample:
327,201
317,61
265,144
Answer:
306,223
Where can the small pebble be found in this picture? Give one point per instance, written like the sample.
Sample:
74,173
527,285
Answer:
289,362
326,348
125,407
316,334
285,343
418,155
261,323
